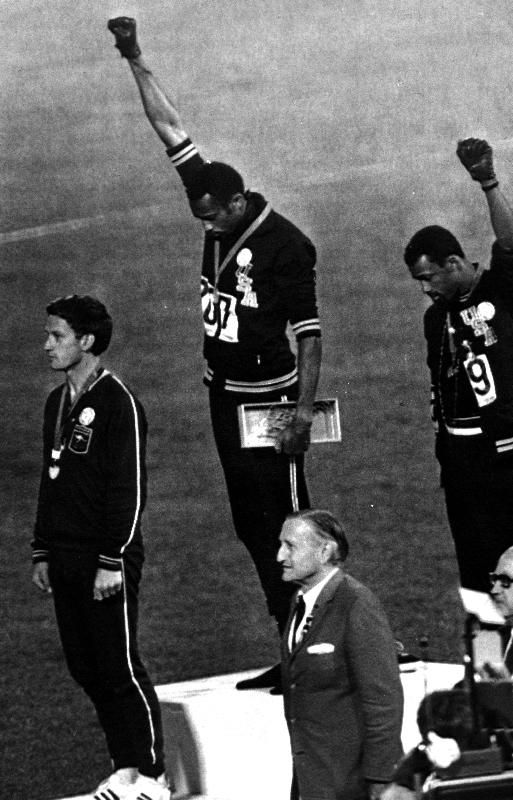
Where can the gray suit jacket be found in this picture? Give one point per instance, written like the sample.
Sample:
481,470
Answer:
343,695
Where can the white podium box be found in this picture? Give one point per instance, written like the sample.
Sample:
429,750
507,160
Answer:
225,744
222,744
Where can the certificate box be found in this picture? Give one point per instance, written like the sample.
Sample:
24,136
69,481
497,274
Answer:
259,423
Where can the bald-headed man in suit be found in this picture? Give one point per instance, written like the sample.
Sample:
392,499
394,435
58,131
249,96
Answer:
342,690
501,591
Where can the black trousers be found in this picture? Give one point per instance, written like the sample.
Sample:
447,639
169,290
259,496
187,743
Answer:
99,639
478,488
259,491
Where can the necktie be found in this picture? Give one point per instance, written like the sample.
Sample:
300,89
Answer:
300,613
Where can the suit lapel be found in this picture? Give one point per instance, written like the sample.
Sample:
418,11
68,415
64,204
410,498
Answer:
318,612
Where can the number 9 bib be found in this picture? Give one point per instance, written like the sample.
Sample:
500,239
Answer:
481,379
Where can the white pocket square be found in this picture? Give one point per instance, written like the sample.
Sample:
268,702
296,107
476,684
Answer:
322,647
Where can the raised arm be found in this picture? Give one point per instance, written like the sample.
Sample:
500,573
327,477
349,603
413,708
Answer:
476,155
159,109
501,216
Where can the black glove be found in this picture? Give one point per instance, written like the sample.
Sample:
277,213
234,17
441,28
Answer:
294,439
123,29
476,155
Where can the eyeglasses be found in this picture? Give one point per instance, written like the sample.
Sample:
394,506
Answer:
505,581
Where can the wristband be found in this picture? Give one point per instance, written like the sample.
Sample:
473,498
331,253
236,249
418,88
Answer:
490,186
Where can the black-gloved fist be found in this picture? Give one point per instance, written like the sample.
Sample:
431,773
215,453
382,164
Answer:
476,155
123,29
294,439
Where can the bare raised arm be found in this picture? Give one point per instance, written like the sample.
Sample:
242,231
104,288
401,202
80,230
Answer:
159,109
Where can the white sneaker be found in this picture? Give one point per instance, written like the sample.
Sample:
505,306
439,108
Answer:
118,785
146,788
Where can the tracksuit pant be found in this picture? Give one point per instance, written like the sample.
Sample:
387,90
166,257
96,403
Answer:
259,490
100,646
478,488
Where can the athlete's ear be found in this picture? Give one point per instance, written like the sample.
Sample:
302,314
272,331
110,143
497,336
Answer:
454,262
238,202
87,341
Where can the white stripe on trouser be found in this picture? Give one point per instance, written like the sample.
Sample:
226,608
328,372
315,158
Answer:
125,604
130,667
293,483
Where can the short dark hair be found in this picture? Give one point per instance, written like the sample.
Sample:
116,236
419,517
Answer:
85,315
435,242
219,180
327,527
448,713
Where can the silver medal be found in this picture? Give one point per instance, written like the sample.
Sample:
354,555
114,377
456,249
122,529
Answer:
54,469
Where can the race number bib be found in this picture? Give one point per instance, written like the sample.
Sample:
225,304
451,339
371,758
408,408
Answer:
219,317
481,379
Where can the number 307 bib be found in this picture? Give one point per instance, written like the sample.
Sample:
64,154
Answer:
481,379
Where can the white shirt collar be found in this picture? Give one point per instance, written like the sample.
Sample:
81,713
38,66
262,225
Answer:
311,595
310,598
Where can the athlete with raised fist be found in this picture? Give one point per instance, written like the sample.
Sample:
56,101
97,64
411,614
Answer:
469,333
258,276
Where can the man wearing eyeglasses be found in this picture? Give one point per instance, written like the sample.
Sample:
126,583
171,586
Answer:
501,591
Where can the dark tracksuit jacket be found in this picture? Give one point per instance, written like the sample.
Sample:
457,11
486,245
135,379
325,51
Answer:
88,517
255,282
470,358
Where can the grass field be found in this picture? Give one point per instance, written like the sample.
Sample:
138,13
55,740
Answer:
346,116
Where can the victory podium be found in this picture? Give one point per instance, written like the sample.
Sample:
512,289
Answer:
222,744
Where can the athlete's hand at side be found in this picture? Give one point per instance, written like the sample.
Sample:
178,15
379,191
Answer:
40,577
107,583
294,439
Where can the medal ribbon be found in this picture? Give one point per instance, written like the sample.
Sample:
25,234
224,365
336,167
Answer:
219,268
450,336
59,425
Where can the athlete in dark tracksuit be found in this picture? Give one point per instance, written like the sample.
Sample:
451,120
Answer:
249,360
92,495
258,276
474,443
469,333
